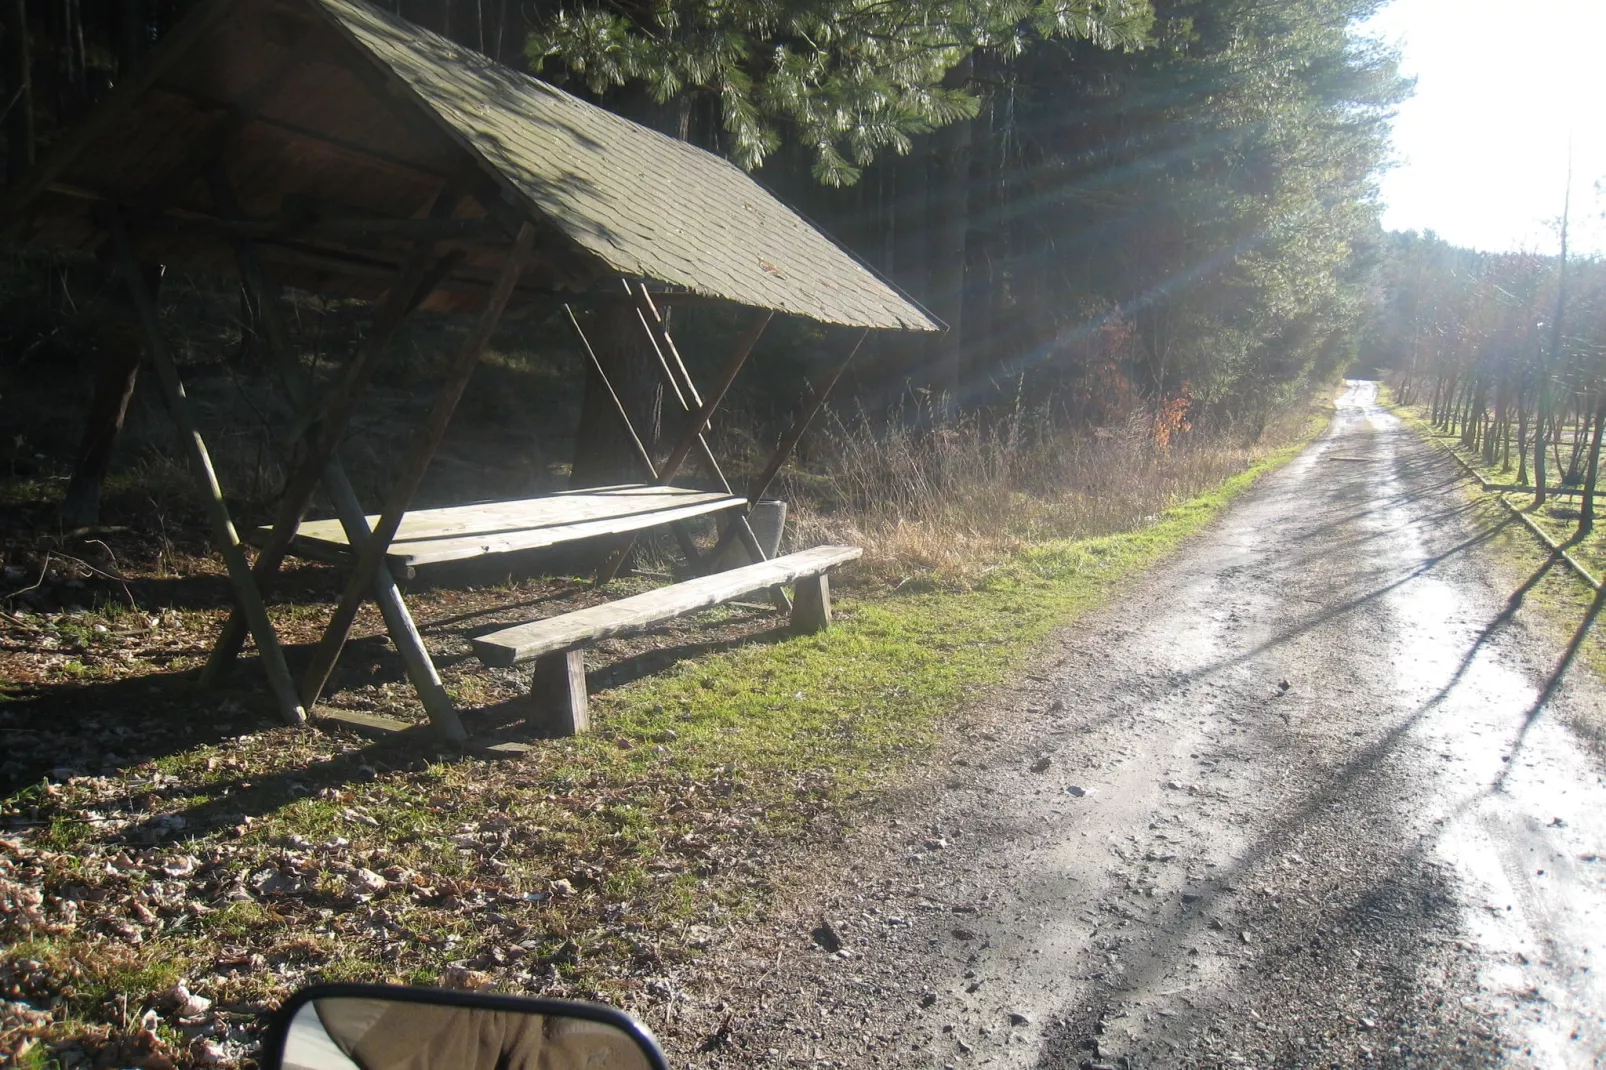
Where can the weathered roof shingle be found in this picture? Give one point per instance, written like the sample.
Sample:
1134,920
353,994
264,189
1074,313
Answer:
646,204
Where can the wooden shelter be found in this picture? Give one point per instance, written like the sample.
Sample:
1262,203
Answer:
333,147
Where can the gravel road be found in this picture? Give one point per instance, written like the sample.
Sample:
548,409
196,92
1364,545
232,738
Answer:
1294,802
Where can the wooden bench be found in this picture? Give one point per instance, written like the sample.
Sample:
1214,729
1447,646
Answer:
558,702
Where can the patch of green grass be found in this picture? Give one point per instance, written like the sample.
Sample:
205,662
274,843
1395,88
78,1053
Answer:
863,699
65,832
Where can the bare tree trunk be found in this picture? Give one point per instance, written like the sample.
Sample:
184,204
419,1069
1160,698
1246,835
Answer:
1586,512
1543,419
951,208
120,347
1522,443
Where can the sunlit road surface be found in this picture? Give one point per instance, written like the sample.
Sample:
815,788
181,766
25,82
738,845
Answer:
1373,792
1303,807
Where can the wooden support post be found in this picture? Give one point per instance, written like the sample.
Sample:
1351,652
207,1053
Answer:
372,556
398,621
811,604
760,484
228,540
323,434
558,702
662,343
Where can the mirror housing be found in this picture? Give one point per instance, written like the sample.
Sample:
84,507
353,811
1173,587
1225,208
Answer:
391,1027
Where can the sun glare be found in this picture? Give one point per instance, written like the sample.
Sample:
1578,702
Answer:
1502,90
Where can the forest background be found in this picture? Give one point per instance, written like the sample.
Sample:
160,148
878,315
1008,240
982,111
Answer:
1145,225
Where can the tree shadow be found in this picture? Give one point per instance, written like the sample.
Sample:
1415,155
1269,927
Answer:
1407,881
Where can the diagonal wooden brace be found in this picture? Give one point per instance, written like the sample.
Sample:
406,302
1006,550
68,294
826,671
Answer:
372,556
700,422
246,591
398,621
663,344
682,533
688,439
760,484
323,435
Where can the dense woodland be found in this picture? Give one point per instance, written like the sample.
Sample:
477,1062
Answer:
1508,351
1114,205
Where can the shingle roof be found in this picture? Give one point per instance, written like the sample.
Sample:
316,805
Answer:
645,204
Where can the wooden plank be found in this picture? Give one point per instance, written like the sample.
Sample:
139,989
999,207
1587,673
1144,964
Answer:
371,557
370,725
431,536
246,592
510,646
547,510
461,548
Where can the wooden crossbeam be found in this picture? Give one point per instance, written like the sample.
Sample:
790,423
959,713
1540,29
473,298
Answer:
246,592
372,555
421,671
663,346
700,422
324,432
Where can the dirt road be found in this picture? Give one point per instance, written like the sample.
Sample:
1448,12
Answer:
1293,803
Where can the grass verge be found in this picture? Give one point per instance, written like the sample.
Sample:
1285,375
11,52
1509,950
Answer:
248,865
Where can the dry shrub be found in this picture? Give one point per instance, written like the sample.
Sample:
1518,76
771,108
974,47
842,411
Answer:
948,500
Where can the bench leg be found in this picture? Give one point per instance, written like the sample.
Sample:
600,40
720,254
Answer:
811,604
558,703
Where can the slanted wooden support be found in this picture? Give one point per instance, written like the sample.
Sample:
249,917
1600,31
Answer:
372,556
246,591
663,347
699,423
421,671
558,703
689,438
760,484
324,431
682,533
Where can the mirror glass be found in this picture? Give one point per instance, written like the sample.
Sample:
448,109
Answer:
379,1034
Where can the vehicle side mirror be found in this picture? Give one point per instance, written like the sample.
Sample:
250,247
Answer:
385,1027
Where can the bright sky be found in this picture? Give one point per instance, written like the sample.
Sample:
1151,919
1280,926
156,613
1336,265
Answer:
1481,149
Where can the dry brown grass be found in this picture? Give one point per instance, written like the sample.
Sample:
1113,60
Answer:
948,502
